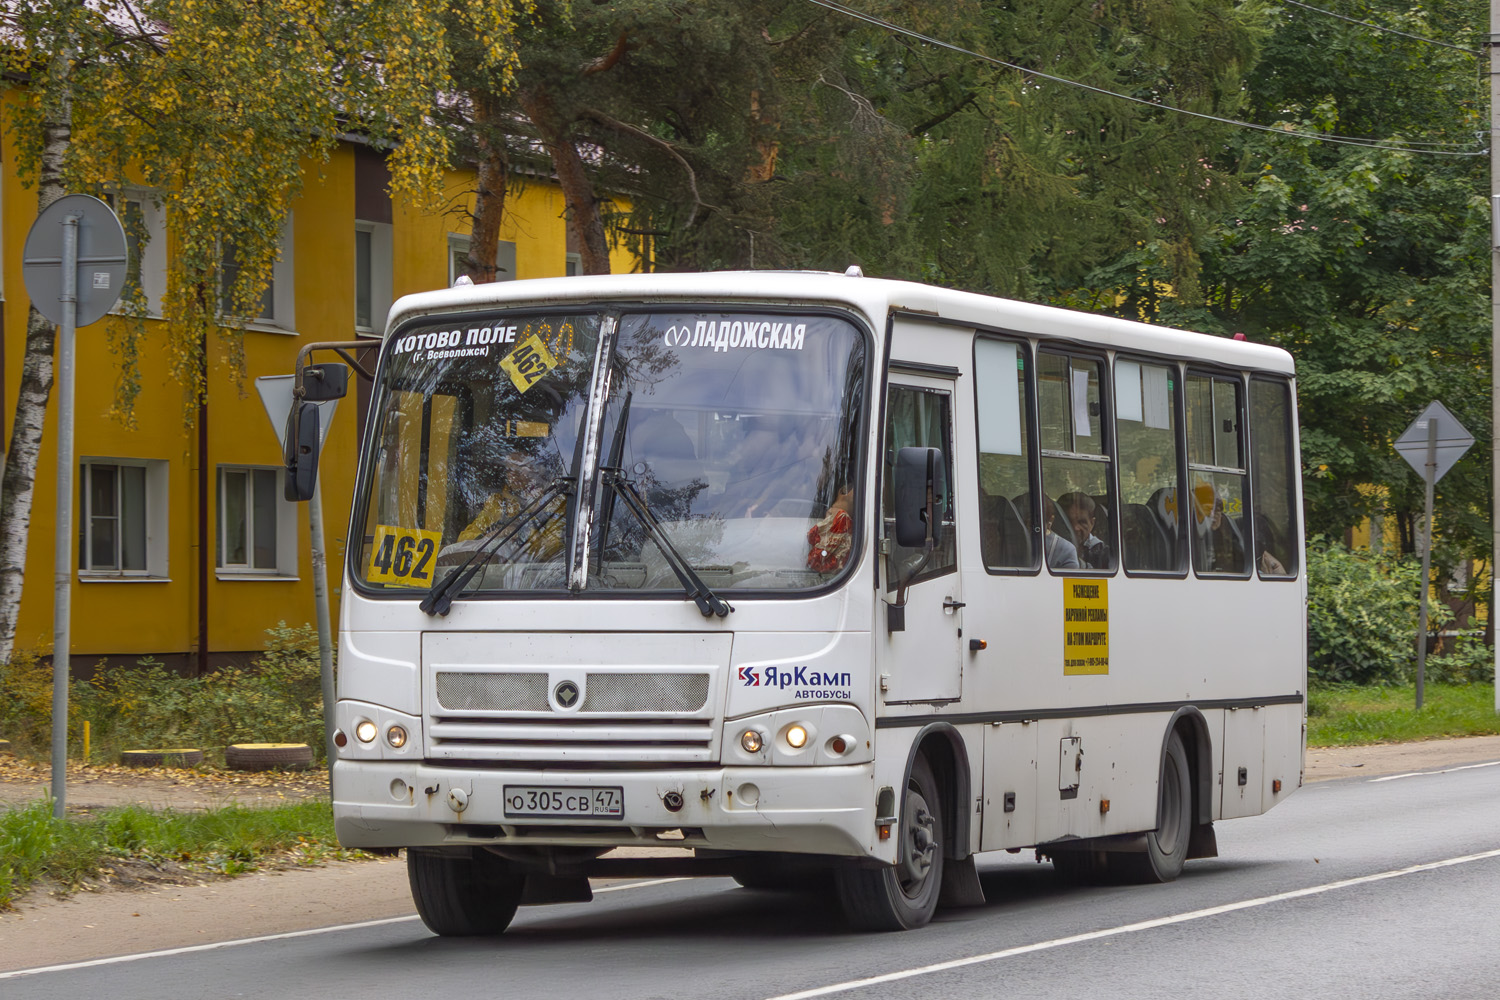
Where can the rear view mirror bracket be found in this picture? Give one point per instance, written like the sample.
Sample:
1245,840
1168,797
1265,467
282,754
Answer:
311,385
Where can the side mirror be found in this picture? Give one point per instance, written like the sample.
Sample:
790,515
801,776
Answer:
324,382
920,486
300,450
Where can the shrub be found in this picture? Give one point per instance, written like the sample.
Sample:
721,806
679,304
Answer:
1361,615
1470,661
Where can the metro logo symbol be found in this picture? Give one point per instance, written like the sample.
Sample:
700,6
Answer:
749,677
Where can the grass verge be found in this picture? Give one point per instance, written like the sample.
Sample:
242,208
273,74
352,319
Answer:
36,847
1349,715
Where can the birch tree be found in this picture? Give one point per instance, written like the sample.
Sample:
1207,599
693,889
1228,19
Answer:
217,108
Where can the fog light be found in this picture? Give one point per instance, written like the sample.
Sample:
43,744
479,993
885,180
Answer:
751,741
396,737
365,731
796,737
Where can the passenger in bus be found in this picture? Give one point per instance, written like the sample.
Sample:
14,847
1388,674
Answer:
831,539
1081,509
1222,550
1266,540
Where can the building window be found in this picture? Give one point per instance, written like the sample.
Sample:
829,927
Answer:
373,266
257,527
144,221
275,307
122,522
458,259
573,264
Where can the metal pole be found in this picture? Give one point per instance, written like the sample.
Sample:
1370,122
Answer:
325,628
62,580
1430,475
1494,319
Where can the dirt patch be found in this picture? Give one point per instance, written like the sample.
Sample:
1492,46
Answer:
1324,763
101,786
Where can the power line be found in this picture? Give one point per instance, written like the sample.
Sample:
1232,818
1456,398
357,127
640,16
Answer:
1476,53
1275,130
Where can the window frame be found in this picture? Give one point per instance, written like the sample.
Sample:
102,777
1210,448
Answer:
381,277
1294,478
1107,447
154,516
283,315
151,263
1240,379
888,546
1027,347
1179,442
286,527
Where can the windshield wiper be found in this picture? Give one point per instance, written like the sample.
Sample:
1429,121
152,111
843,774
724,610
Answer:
440,598
708,602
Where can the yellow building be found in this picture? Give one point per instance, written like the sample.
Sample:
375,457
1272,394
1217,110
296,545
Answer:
187,550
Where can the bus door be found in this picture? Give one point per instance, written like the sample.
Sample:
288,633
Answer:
921,663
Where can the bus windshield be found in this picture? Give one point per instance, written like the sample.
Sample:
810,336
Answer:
727,441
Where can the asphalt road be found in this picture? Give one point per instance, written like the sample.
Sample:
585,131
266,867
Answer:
1356,888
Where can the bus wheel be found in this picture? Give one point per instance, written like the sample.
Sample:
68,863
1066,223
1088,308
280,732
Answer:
1167,845
463,896
905,895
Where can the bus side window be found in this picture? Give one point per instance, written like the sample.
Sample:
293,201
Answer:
920,418
1146,425
1216,475
1273,481
1078,504
1005,536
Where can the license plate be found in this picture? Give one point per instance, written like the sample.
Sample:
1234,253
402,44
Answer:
568,802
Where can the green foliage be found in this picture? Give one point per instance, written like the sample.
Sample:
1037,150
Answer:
277,699
220,109
34,846
1470,661
1345,714
1361,615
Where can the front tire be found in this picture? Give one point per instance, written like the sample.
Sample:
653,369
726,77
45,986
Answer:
905,895
1167,845
463,895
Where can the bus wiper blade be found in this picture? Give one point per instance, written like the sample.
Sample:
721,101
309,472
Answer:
709,603
440,598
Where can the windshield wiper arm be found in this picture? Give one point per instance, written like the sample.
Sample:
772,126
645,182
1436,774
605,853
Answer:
709,603
440,598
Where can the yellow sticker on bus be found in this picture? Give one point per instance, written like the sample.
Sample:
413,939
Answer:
528,362
1085,626
403,557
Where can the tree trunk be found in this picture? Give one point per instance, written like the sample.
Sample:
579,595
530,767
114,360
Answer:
18,485
489,198
584,221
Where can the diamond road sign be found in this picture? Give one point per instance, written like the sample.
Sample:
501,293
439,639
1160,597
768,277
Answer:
1452,441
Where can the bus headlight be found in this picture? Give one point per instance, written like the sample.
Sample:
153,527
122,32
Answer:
396,737
796,736
365,731
751,741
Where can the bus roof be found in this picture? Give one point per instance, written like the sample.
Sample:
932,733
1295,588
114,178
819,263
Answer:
874,297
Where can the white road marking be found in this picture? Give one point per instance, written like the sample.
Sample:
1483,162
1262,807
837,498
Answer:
288,935
1418,774
1144,925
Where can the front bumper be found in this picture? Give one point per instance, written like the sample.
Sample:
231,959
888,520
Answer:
805,810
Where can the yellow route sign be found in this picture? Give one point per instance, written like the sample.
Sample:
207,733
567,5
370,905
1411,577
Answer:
1085,626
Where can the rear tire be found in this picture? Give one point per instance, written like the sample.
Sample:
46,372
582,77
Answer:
463,896
1167,845
905,895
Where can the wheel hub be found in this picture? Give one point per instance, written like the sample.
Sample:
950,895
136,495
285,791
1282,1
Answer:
918,844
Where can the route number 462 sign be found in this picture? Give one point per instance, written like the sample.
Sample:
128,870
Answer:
404,557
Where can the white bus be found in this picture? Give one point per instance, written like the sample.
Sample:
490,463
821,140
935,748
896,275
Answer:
809,578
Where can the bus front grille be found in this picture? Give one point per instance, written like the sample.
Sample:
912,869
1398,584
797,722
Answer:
571,739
